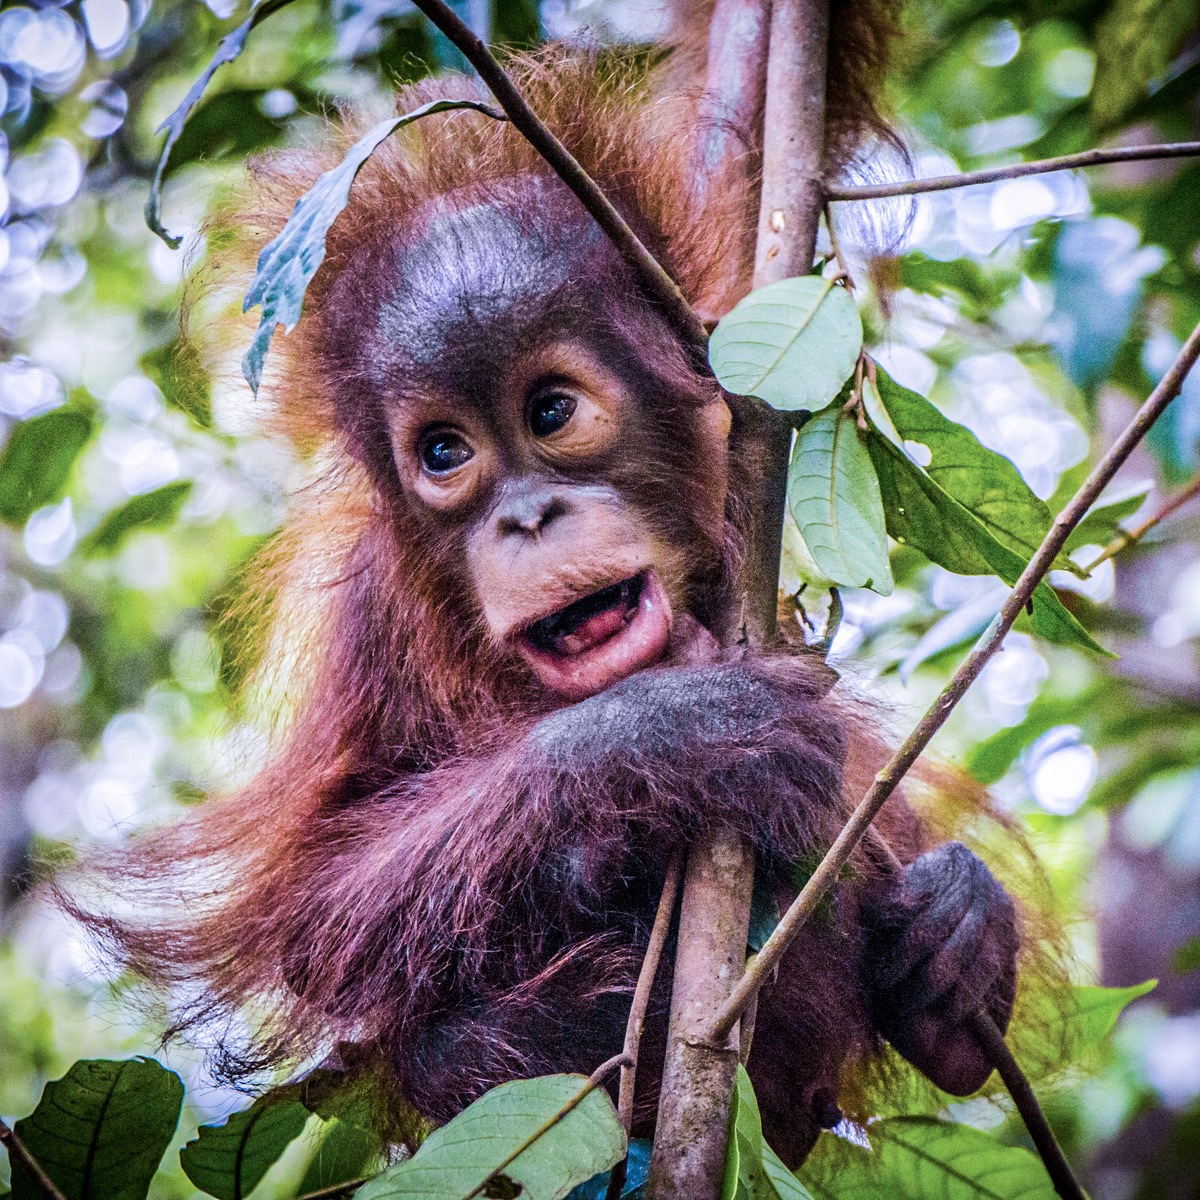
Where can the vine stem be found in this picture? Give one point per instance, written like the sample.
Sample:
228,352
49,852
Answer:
637,1011
1131,537
886,781
651,274
29,1166
1066,162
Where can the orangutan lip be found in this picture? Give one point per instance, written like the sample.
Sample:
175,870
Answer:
588,622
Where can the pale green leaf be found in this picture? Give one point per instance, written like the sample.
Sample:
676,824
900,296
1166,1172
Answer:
834,497
786,1185
793,344
37,460
458,1157
151,510
744,1179
914,1158
229,1159
101,1131
288,262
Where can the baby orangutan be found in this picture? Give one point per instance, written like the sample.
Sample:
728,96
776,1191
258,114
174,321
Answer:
490,620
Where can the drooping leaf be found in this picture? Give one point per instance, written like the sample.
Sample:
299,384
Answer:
792,344
834,497
37,460
288,262
152,510
920,514
914,1158
230,47
985,483
228,1160
786,1185
1069,1029
459,1156
744,1179
101,1130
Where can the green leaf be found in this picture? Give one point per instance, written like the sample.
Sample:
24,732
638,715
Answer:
919,513
230,47
786,1185
744,1178
37,461
985,483
1103,521
458,1157
101,1130
1068,1030
152,510
288,262
914,1158
228,1160
792,344
834,497
346,1151
1186,957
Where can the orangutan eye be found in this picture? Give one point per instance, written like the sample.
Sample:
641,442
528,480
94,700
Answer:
443,451
550,411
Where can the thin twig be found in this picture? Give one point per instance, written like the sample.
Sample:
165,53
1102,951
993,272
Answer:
649,271
824,877
843,269
1130,537
335,1189
595,1079
29,1166
637,1010
1000,1056
943,183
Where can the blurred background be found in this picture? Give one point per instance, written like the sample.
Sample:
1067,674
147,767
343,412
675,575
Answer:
1037,311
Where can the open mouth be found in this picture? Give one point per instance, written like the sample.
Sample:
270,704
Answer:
593,642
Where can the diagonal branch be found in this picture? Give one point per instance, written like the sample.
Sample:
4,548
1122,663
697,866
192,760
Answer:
943,183
23,1161
1127,538
650,272
886,781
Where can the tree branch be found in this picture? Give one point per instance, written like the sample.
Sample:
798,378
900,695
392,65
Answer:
699,1071
824,877
650,273
1131,537
20,1158
637,1010
943,183
992,1040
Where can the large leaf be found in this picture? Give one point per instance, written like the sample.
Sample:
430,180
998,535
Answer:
152,510
833,496
792,344
1068,1030
786,1185
985,483
457,1158
230,47
228,1160
101,1131
345,1152
288,262
921,514
914,1158
37,460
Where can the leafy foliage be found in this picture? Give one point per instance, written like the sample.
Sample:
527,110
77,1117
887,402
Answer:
36,463
792,344
228,1160
288,263
458,1159
100,1131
